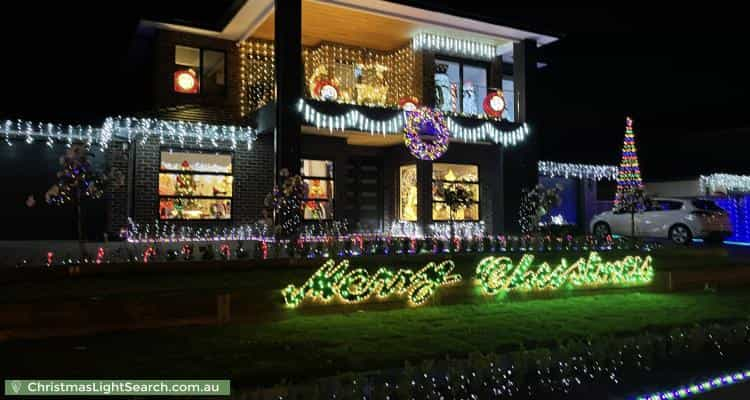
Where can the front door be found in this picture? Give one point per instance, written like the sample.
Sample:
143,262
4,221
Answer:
364,194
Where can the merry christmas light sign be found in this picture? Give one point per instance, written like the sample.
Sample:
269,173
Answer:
335,283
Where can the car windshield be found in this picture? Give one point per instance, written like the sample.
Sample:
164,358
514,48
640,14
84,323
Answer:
706,205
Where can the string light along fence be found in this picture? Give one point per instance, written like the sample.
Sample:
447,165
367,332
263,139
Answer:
130,129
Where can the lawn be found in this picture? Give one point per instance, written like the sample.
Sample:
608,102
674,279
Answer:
271,278
305,346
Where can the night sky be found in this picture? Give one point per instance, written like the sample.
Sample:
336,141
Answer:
683,76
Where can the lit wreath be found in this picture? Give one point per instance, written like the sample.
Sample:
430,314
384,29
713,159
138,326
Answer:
326,90
426,121
494,104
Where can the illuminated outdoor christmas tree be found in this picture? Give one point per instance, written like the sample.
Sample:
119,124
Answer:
628,173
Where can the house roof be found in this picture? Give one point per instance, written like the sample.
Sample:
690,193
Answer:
238,19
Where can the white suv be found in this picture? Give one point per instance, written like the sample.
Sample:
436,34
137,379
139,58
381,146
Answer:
679,220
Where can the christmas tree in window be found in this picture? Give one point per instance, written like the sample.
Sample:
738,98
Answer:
185,187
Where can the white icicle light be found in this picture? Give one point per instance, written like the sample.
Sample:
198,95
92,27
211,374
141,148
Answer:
725,183
449,45
353,119
129,129
580,171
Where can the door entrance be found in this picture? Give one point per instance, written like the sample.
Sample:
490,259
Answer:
364,194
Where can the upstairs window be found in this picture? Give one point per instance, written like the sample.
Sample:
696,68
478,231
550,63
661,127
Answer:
195,186
460,87
199,71
317,176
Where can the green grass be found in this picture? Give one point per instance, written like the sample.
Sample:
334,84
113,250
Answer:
305,346
271,278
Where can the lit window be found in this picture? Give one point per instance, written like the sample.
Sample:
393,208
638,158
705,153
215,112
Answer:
199,71
195,185
408,204
450,176
317,176
187,66
509,95
460,87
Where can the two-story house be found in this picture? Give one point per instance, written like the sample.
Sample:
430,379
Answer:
326,88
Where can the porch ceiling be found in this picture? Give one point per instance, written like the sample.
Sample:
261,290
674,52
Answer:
328,22
356,138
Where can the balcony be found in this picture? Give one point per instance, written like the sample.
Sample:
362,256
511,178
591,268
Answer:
362,69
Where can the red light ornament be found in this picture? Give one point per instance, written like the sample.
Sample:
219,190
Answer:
494,104
326,90
186,81
408,103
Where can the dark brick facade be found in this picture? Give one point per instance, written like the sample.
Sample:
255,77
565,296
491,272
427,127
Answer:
138,196
164,53
487,157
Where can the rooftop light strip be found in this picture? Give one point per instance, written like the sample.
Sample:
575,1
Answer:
127,128
700,388
580,171
725,182
451,45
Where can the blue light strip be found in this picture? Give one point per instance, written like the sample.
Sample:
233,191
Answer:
736,243
692,390
738,208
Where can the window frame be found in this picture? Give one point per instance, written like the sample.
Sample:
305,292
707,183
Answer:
167,149
201,50
461,62
331,200
478,184
419,205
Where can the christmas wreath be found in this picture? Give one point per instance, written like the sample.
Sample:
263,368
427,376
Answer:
428,123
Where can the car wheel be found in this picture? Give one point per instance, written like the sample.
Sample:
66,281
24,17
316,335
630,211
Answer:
601,230
680,234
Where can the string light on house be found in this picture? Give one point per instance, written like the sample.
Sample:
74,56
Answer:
130,129
579,171
453,46
487,132
353,119
724,183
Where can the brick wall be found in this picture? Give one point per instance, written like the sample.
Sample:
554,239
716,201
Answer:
253,179
117,160
163,90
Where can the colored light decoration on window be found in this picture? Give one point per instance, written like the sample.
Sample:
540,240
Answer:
335,282
186,81
498,275
628,173
699,388
738,209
